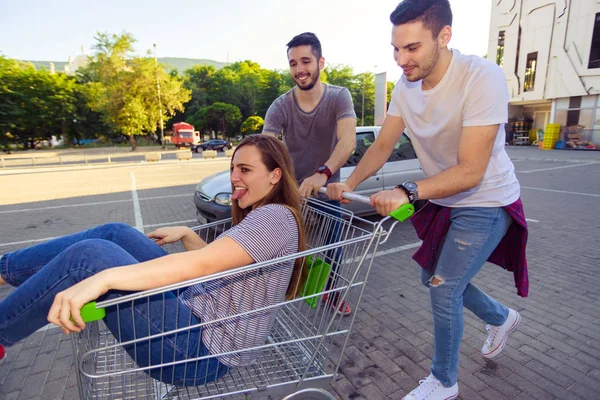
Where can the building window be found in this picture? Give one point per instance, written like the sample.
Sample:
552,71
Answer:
500,48
574,110
595,50
530,71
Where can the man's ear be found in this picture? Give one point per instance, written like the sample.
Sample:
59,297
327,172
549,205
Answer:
321,63
445,36
275,176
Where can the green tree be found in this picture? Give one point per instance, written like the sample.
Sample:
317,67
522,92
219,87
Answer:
271,84
243,84
35,104
390,89
222,117
125,88
340,75
286,82
226,87
364,89
248,84
252,124
360,85
201,82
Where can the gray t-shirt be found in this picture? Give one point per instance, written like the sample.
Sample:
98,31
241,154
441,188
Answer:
310,137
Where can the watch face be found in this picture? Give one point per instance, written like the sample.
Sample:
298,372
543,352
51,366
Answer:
410,186
322,168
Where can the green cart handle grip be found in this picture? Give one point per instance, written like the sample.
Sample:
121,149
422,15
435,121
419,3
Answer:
90,313
403,213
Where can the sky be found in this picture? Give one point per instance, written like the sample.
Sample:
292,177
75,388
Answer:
352,32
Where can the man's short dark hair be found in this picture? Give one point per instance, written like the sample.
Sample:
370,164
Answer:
434,14
307,38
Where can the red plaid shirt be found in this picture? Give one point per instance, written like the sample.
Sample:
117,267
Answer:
433,221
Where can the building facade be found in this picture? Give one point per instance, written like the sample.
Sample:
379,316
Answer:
550,54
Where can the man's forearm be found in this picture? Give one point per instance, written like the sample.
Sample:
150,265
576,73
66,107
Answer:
371,162
449,182
342,151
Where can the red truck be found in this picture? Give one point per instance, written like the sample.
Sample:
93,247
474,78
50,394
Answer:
183,134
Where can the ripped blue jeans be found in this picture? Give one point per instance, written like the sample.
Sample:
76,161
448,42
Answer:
473,235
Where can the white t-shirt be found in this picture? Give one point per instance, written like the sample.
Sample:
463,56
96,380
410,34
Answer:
473,92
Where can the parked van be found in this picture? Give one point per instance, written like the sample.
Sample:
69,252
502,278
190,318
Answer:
183,134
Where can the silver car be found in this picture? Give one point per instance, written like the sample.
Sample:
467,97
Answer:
213,193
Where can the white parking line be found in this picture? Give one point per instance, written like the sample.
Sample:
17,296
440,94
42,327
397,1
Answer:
531,220
64,206
549,169
49,326
166,196
139,222
96,203
388,251
561,191
172,223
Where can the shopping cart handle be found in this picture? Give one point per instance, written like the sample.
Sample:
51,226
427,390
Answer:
90,313
403,213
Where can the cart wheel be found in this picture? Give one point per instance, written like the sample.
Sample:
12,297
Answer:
310,394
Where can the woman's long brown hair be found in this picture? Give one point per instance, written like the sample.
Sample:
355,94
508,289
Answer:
285,192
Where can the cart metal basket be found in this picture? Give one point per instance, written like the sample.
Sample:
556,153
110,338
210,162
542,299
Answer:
305,344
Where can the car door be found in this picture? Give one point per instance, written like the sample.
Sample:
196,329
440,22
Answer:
402,165
371,185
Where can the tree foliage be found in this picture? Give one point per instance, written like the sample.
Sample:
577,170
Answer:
117,93
35,104
124,89
222,117
252,124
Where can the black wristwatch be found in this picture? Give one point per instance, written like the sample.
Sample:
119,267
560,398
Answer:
411,190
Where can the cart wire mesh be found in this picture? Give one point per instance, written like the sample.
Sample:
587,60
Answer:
296,354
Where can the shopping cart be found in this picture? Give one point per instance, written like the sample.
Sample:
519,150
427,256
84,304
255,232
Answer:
306,342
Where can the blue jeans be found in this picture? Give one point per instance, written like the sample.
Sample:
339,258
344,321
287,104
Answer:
41,271
473,235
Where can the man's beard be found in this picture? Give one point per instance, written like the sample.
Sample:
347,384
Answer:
426,67
312,83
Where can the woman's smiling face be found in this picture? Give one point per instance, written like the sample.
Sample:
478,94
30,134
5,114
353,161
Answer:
250,179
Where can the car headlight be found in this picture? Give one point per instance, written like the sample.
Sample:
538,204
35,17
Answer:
223,199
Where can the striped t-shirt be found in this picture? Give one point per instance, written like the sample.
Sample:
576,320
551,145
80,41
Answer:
265,233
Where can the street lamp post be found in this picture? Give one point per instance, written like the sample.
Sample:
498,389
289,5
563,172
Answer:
162,131
362,116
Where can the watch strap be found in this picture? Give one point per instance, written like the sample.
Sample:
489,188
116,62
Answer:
409,194
324,169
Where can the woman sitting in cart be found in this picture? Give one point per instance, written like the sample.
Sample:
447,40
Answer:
55,279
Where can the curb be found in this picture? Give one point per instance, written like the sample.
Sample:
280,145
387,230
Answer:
58,168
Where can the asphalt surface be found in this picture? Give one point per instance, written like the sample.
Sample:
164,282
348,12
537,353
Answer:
553,355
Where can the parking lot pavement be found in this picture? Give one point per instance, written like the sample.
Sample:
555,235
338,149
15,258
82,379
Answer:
553,354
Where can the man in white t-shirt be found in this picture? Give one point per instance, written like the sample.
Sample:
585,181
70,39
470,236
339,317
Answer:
454,108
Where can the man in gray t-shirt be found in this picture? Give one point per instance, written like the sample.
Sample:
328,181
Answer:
318,124
317,120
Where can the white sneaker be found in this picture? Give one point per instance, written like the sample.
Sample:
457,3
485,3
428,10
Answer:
497,335
431,388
